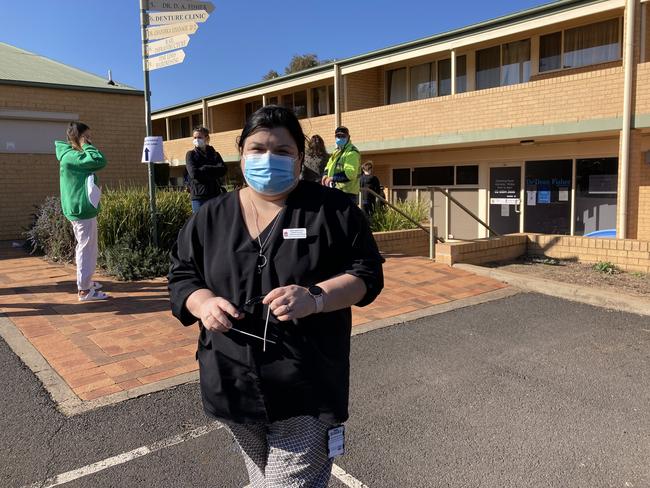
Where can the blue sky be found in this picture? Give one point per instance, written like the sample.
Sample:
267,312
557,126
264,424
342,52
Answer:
238,44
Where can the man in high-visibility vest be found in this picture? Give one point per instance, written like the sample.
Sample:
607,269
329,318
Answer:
344,166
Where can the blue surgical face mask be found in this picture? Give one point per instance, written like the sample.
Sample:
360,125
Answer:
341,141
269,174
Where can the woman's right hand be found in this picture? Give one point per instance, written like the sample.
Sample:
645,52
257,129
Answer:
214,313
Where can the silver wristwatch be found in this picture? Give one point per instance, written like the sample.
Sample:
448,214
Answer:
316,293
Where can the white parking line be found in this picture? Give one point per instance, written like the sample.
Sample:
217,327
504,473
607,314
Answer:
125,457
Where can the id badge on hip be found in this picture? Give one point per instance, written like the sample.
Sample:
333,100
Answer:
336,441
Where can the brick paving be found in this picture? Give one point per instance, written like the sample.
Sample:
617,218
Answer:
132,339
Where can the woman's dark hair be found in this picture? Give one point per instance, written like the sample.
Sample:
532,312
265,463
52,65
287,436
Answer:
270,117
316,146
74,133
202,130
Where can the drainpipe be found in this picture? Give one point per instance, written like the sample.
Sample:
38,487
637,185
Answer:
626,130
337,92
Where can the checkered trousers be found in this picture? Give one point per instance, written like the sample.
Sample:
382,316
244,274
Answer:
289,453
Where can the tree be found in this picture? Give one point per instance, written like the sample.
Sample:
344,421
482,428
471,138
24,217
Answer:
298,62
271,74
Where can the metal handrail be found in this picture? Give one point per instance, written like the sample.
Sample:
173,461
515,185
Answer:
463,207
399,211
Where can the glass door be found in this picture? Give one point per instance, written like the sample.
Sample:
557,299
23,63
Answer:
505,199
548,196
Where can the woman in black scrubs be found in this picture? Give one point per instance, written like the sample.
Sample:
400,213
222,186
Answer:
270,272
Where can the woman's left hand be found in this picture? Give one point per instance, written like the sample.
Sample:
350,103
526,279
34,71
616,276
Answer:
290,302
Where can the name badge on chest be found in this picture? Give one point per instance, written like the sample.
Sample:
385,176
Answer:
298,233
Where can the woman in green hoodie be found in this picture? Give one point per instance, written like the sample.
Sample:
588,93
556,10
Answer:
80,202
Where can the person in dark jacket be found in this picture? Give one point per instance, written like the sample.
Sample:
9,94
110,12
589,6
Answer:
205,167
369,181
270,272
316,158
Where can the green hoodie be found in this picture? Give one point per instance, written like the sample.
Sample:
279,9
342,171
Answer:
78,180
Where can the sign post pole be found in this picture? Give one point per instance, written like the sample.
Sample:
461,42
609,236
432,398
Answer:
147,110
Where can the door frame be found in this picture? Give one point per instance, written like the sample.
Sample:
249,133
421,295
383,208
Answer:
508,164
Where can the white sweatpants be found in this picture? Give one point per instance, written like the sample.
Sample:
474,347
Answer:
85,232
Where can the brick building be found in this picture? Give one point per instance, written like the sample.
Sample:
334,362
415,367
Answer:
38,98
520,117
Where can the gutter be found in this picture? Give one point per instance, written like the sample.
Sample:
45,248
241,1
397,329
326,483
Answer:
57,86
626,130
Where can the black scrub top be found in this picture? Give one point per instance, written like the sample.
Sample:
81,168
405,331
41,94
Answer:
306,371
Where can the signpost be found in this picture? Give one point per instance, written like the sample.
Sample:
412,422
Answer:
166,6
177,17
169,30
165,60
169,26
168,44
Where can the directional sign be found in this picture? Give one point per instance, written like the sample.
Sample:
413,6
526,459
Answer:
168,44
164,31
176,17
165,60
167,6
152,152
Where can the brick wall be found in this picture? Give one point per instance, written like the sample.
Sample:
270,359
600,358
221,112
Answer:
413,242
364,89
324,126
570,98
481,251
227,117
628,254
118,130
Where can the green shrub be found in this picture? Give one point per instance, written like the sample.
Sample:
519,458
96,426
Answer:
124,231
51,233
385,218
129,260
606,267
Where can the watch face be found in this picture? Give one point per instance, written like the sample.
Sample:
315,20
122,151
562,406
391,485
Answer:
315,290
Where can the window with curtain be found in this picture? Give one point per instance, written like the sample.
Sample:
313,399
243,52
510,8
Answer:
300,104
252,107
319,101
461,74
330,96
550,52
397,86
515,59
423,81
592,44
488,65
444,77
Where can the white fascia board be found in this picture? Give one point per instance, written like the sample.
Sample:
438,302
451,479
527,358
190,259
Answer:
271,89
34,115
495,34
178,111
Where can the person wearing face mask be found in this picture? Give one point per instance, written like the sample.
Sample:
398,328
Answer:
343,168
270,273
205,167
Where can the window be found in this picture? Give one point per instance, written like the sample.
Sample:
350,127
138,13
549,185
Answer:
180,128
596,189
402,177
197,120
548,197
273,100
582,46
330,89
444,77
467,175
515,62
287,101
592,44
423,81
550,52
461,74
252,107
488,67
320,101
433,175
300,104
397,86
